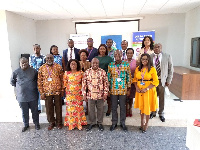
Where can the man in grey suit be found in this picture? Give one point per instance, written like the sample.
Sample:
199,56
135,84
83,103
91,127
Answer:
164,66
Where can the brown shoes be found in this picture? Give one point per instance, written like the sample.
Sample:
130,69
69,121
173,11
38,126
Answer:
51,126
59,126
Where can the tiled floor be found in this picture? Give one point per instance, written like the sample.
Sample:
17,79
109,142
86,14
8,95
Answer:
170,135
176,113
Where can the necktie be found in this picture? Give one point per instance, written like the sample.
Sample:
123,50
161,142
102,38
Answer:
71,54
158,66
123,55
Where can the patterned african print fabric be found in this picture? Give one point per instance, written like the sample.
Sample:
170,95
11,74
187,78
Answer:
75,114
50,79
119,77
96,81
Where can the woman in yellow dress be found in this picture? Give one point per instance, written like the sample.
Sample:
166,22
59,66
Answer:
145,80
75,115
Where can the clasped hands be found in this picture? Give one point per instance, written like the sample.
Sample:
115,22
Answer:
141,90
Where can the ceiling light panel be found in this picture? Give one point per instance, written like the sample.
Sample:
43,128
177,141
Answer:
152,6
73,7
133,7
113,7
93,7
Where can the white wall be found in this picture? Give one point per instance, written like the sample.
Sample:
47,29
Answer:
54,32
170,32
21,36
7,97
192,29
5,63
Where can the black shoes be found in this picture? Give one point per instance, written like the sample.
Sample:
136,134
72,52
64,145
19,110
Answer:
123,126
107,114
39,111
162,118
89,127
112,127
152,115
101,128
25,128
37,127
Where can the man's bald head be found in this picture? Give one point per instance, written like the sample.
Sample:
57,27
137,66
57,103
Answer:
49,59
95,63
118,55
23,63
157,48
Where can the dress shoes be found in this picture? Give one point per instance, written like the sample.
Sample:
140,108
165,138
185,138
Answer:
101,128
51,126
25,128
39,111
107,114
112,127
152,115
59,126
89,127
162,118
123,126
37,127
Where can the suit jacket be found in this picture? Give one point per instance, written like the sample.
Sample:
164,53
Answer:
76,52
166,68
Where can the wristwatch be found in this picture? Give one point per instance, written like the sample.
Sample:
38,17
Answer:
147,89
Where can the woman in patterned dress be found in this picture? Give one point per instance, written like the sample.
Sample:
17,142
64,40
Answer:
132,63
84,66
75,115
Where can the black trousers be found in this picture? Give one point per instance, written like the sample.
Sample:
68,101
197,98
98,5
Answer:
33,105
122,104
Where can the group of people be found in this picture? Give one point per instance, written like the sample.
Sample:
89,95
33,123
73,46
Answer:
94,76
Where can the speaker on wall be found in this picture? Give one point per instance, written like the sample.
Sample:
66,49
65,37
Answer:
26,56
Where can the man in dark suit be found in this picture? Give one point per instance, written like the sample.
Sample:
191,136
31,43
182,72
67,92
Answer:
71,52
164,66
93,52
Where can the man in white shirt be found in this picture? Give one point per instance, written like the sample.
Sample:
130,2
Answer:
164,66
124,45
71,52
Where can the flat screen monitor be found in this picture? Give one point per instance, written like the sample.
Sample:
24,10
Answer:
195,52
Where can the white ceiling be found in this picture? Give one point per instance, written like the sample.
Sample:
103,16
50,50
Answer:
93,9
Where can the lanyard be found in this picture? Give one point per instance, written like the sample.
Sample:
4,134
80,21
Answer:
90,52
142,74
145,51
49,71
118,70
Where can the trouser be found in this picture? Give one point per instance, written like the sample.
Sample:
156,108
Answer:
161,94
122,104
39,104
33,105
49,104
91,111
109,104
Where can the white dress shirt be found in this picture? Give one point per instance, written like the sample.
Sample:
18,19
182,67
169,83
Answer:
68,53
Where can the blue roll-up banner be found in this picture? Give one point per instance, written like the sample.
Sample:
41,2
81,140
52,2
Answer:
139,36
117,39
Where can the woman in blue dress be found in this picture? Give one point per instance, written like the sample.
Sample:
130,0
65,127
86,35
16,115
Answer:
57,57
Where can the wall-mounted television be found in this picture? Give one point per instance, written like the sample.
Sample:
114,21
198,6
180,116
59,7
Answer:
195,52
